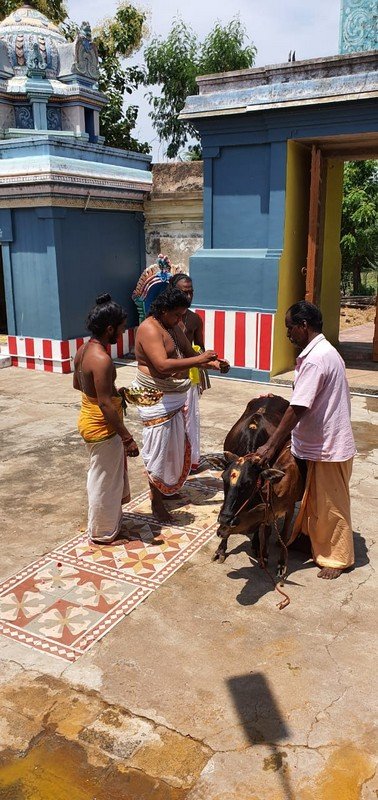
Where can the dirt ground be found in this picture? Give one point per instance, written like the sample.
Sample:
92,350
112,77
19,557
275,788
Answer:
351,317
206,691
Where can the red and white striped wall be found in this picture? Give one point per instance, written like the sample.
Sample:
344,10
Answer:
52,355
244,338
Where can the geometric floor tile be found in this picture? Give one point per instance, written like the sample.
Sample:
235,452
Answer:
66,601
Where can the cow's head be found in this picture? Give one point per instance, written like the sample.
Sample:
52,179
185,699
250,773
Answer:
244,480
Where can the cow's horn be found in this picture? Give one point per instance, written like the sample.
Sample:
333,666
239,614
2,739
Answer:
230,457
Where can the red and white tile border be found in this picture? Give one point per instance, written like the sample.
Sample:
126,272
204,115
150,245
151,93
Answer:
244,338
52,355
87,564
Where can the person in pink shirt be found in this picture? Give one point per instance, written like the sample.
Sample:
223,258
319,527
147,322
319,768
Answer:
318,418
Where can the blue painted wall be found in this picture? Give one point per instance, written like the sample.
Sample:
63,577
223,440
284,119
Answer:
34,276
242,280
240,189
74,148
98,251
244,197
56,260
62,258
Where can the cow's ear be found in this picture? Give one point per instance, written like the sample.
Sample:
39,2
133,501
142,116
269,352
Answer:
229,458
272,475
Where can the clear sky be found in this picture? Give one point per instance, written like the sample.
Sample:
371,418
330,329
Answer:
275,26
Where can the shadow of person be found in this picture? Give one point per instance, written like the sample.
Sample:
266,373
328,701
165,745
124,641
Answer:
360,550
181,517
209,484
196,491
300,553
263,722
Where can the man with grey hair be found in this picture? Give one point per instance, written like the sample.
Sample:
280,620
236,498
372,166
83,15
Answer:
318,419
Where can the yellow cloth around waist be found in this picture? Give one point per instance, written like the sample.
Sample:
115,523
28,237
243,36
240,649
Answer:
92,424
194,373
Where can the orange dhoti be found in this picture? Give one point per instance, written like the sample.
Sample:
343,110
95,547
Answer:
324,514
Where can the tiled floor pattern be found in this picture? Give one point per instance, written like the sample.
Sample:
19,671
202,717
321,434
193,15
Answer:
67,600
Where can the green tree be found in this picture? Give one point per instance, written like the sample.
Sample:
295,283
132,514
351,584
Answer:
116,39
173,65
359,226
54,9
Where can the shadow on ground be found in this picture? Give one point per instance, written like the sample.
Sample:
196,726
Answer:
262,722
258,583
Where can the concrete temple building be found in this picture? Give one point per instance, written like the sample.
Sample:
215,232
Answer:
71,221
72,211
274,141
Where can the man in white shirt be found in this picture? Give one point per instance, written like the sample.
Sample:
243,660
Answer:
319,421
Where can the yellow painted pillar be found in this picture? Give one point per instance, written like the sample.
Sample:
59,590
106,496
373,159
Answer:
291,282
291,285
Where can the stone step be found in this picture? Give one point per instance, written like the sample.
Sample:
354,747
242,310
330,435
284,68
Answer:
356,351
5,360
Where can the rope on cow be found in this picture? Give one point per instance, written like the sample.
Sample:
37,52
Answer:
268,502
283,603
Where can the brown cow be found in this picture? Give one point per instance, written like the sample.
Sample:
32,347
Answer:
254,497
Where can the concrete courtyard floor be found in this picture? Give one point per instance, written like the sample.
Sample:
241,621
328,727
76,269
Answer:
206,691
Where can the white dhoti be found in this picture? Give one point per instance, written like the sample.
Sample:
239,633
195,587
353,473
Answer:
193,423
108,487
167,452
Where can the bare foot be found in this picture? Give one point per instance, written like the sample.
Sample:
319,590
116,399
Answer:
161,512
158,508
155,540
195,469
329,573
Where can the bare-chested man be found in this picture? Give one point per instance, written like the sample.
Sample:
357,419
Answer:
164,358
101,422
191,322
192,326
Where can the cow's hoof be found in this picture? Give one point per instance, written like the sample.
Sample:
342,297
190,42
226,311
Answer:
221,557
281,575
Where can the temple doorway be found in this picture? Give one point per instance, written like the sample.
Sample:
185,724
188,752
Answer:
359,275
310,266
